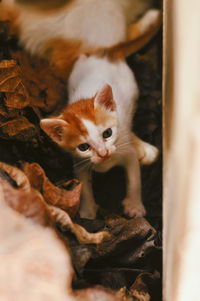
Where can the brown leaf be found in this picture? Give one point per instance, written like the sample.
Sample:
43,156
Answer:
3,112
122,230
16,101
67,200
128,239
7,64
45,89
11,82
23,198
139,289
19,129
82,235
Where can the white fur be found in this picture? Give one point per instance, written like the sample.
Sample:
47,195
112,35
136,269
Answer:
99,146
90,74
150,153
149,19
72,23
86,20
88,77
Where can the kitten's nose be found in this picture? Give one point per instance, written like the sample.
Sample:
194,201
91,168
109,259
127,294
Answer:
103,153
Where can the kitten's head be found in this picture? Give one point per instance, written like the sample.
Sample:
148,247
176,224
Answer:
87,128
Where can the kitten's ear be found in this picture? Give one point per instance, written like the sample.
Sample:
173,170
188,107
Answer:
105,98
54,128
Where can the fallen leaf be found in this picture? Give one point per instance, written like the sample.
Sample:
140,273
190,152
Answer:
23,198
68,200
18,129
11,82
46,90
127,237
139,289
82,235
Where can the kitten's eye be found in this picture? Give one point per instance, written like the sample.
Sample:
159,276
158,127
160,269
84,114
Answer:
107,133
83,147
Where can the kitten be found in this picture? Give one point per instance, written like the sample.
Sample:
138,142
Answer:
88,41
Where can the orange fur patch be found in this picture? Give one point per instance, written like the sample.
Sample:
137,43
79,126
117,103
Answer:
62,54
102,117
73,114
48,7
83,108
71,138
44,5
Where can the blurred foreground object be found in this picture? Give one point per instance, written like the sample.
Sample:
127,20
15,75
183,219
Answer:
182,150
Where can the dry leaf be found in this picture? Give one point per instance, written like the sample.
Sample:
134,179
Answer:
139,289
15,98
22,197
7,64
19,129
11,82
83,236
46,90
67,200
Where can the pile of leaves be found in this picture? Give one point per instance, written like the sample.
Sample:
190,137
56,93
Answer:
113,257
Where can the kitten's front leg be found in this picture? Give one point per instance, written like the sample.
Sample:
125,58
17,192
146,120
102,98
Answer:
88,207
132,203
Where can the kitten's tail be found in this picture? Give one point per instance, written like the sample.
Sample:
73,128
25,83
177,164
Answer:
139,34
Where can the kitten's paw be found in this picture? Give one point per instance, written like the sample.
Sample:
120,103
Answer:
133,209
89,213
150,154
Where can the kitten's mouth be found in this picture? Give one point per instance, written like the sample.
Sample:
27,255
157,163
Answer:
105,158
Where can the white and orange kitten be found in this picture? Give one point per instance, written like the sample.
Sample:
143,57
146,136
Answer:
89,39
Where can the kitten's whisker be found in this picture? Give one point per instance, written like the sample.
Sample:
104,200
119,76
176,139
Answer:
123,152
81,162
125,143
124,149
124,139
86,165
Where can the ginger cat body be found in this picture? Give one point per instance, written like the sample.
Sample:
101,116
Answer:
89,41
95,23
